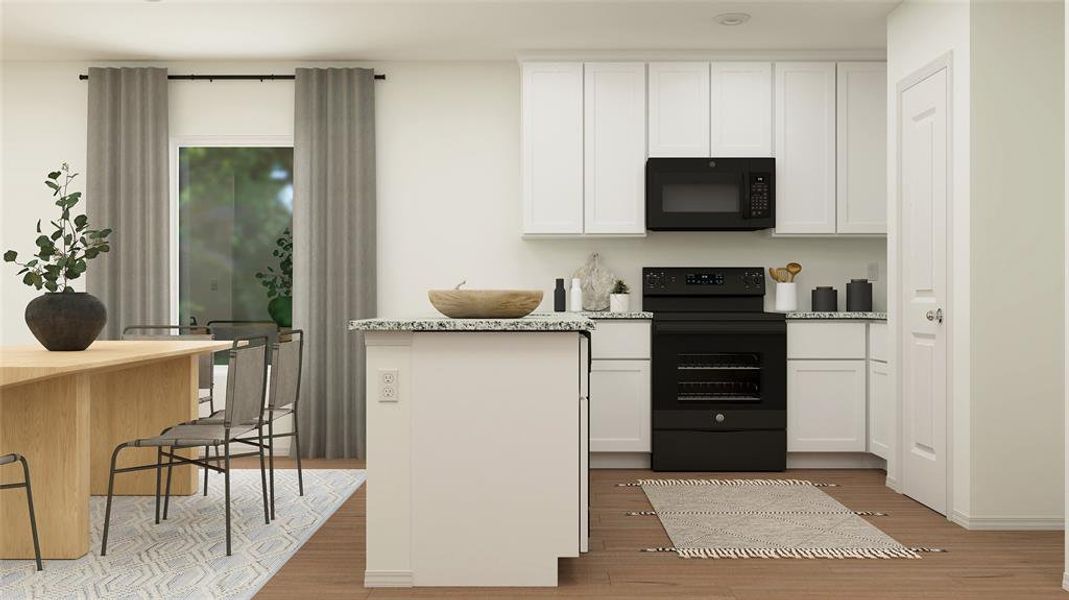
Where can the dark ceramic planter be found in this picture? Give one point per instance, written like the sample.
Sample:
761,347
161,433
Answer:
281,310
66,320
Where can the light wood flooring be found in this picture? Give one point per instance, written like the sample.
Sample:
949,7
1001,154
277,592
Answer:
982,565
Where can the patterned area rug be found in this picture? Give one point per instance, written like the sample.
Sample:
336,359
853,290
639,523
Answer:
185,556
763,518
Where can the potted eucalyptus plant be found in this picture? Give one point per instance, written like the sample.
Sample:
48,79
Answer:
620,298
63,319
279,283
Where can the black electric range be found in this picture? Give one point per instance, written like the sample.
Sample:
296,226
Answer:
719,381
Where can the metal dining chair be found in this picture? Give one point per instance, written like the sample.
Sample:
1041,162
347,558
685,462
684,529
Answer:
205,362
283,396
246,380
7,459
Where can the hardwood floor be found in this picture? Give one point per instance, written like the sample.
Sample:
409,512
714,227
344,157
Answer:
981,565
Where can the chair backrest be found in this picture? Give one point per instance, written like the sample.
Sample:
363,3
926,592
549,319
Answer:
286,359
177,332
245,382
8,458
233,330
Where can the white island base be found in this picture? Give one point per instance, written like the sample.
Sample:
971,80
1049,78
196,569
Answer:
477,458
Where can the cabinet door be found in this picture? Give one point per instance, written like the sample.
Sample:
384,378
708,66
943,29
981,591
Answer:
805,148
679,109
826,406
615,148
862,147
552,148
741,109
584,445
620,406
881,410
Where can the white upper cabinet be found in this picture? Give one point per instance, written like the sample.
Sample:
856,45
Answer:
679,109
741,109
805,147
615,148
552,111
862,147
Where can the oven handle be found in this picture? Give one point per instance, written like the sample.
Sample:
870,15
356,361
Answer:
725,327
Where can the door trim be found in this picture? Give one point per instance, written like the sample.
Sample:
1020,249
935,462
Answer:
941,63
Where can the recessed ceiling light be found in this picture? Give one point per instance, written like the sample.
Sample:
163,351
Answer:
732,19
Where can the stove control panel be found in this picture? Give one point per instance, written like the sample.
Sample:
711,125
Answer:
692,281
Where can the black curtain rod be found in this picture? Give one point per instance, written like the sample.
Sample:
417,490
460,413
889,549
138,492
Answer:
83,77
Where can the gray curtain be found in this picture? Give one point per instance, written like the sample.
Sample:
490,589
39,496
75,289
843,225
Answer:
127,190
334,252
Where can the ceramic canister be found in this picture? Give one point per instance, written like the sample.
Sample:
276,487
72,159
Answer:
825,299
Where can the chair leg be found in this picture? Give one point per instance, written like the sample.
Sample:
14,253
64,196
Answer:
207,454
107,507
159,471
167,498
297,441
33,516
271,462
263,473
226,478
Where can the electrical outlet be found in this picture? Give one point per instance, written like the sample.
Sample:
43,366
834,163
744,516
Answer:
388,379
874,271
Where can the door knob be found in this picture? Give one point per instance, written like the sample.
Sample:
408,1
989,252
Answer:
936,315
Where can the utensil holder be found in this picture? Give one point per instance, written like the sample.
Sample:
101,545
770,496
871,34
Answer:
786,296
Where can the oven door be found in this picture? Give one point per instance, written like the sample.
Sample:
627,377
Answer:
719,365
700,194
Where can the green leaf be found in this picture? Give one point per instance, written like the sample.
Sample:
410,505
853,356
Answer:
51,286
43,241
53,185
54,175
28,279
32,263
57,234
81,221
10,256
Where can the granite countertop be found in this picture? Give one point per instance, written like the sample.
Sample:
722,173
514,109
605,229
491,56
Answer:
838,316
536,322
606,315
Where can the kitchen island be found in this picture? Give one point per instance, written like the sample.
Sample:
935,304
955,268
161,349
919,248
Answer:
476,449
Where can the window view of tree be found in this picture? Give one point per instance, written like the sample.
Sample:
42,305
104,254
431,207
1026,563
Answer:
234,204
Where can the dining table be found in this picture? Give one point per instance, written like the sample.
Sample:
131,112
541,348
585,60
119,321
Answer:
67,411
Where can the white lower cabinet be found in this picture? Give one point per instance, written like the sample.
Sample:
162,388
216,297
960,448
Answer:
881,410
826,406
620,406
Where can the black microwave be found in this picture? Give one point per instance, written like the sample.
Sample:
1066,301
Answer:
710,194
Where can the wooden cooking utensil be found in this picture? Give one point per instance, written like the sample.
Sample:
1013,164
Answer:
782,275
772,274
794,269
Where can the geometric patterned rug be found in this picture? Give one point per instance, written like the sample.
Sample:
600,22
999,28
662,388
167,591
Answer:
763,518
185,557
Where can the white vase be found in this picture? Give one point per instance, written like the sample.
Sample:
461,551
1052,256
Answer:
786,296
619,303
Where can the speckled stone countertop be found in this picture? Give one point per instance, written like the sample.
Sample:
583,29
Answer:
838,316
538,322
606,315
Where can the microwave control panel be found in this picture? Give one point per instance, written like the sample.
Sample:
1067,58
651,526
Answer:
760,193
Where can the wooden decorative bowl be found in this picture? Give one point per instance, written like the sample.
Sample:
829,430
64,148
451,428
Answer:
485,304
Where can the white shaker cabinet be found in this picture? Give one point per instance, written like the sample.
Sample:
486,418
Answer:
620,406
552,126
826,406
862,148
614,162
741,109
805,147
678,122
881,404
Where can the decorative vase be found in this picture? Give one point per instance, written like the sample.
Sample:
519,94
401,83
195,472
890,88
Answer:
66,321
619,303
597,282
281,310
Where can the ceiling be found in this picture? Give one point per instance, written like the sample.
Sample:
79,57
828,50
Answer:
377,30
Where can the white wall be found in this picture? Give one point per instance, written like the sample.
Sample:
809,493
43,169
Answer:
448,183
918,33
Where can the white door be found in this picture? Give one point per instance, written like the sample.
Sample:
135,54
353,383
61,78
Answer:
620,406
826,405
923,196
679,109
552,148
862,147
615,148
741,109
805,148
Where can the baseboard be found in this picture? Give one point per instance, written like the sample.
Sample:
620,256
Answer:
619,460
892,483
834,460
1008,523
1065,581
396,579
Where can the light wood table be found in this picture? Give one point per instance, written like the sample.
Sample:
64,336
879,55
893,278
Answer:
66,411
